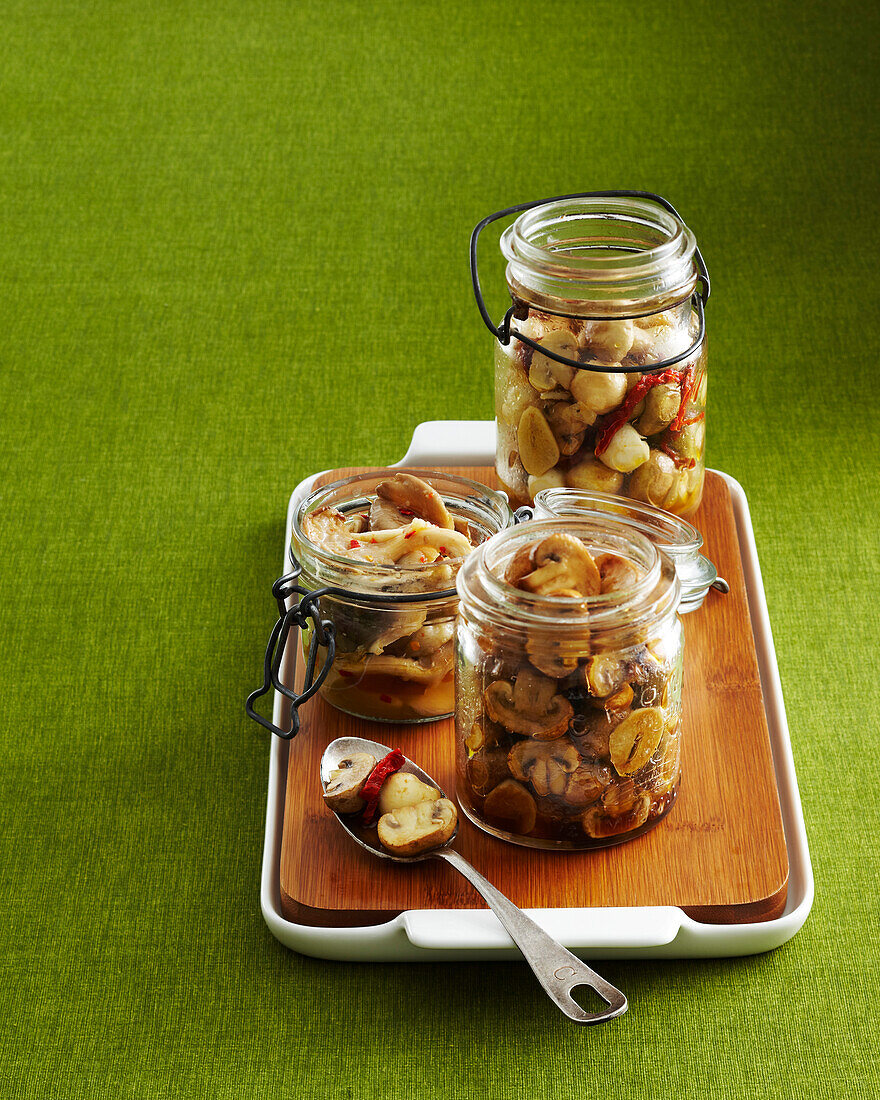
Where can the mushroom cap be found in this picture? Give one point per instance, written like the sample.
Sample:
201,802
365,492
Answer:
342,793
411,493
563,562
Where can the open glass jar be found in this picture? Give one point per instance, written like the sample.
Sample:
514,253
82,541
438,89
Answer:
600,363
377,607
568,708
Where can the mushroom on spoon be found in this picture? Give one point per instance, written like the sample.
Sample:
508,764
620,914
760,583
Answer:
428,828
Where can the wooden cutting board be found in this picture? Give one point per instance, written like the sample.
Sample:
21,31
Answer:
720,854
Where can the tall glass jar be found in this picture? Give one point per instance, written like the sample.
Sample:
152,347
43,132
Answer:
600,364
568,708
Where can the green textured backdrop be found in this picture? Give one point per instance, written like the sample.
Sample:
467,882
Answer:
233,251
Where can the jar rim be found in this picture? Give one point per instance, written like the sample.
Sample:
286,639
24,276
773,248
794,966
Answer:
666,530
656,593
670,533
600,250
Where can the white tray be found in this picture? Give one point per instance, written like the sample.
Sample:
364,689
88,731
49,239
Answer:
475,934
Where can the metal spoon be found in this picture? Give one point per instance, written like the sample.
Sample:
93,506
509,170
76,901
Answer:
556,968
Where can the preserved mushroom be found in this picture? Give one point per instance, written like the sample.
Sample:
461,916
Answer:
599,428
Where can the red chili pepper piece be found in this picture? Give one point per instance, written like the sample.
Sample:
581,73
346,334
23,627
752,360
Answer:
680,461
617,419
405,512
388,765
687,388
409,534
353,544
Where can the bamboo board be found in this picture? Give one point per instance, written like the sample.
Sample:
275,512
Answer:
720,854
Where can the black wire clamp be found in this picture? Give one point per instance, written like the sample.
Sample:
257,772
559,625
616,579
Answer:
503,333
324,634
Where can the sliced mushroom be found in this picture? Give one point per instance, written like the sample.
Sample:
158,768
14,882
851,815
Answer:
530,705
389,546
617,573
557,653
561,562
486,769
520,564
621,809
429,639
591,733
406,495
546,765
586,784
635,740
511,808
411,830
404,789
327,527
342,793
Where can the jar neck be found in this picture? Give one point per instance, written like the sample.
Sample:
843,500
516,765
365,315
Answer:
600,257
671,534
612,619
481,509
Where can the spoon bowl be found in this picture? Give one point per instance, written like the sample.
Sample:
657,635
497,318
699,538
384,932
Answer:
556,968
366,835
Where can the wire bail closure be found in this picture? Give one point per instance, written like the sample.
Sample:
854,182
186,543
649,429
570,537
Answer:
324,634
503,333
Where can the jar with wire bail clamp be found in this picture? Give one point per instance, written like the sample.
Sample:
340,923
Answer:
600,363
372,592
568,684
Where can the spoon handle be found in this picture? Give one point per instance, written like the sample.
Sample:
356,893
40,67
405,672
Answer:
558,971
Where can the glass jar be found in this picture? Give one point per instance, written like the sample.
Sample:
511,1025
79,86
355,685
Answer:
379,635
600,364
678,538
568,710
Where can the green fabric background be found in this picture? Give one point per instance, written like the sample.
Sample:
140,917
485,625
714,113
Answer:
233,251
